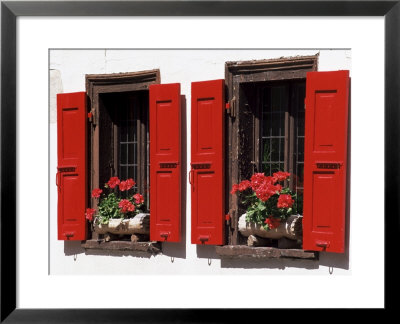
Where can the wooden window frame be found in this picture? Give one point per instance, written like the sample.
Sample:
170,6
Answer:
240,142
97,84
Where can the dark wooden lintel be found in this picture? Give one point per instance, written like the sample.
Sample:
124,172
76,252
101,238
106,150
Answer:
149,247
305,62
271,76
244,251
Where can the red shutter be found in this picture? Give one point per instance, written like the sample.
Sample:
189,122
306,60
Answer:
207,162
71,175
325,164
165,162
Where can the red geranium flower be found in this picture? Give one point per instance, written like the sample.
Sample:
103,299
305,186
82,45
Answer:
281,176
126,185
267,189
113,182
89,214
96,193
285,201
235,187
227,217
244,185
272,222
126,206
138,198
257,179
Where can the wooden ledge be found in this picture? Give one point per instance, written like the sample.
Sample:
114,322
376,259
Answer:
244,251
149,247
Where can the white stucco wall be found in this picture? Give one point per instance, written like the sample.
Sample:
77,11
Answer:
67,74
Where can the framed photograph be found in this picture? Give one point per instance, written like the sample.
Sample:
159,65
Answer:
82,83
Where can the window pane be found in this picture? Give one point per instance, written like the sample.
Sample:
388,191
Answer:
123,154
266,169
266,151
300,123
275,167
300,149
123,173
132,153
299,176
275,149
274,105
300,201
132,132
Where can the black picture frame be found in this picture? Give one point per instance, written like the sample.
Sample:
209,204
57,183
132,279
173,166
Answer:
10,10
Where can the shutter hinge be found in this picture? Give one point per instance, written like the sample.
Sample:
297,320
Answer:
230,107
93,118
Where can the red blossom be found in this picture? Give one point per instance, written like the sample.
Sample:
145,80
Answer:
257,179
267,189
285,201
89,214
113,182
96,193
126,206
235,188
126,185
244,185
281,176
138,198
227,217
272,222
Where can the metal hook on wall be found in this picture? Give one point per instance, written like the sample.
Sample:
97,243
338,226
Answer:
172,259
209,261
330,270
75,257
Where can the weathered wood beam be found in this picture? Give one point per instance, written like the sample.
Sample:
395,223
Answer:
244,251
149,247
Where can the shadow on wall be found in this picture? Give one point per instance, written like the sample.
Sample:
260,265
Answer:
178,250
206,252
136,254
73,247
250,263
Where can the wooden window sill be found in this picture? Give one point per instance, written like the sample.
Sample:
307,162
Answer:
151,247
244,251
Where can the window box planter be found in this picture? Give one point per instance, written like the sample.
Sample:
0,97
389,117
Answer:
291,229
140,224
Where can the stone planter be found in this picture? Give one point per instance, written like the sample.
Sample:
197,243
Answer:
140,224
291,229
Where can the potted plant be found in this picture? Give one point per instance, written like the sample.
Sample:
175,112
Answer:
271,208
117,212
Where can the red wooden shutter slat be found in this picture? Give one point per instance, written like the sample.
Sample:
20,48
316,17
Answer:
165,162
325,163
71,175
207,162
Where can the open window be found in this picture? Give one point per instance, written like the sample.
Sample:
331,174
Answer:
265,132
117,118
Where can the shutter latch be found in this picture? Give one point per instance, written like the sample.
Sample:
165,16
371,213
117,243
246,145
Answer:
164,235
68,235
323,244
203,238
